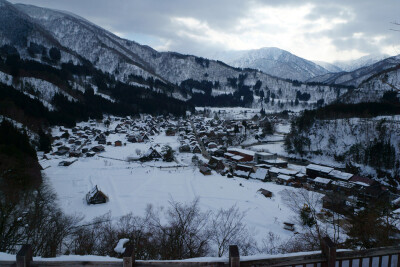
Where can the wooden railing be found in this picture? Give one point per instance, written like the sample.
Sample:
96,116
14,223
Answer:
328,257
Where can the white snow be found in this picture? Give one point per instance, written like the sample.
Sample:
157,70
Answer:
120,246
132,186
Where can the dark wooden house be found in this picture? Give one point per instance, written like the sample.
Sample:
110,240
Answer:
265,192
95,196
313,171
216,164
151,154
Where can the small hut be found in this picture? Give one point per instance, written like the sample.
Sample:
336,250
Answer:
205,170
265,192
288,226
95,196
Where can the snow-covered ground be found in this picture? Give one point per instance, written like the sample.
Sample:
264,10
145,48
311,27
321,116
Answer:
132,186
270,148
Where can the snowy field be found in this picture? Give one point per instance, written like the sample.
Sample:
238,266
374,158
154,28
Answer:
270,148
235,113
131,187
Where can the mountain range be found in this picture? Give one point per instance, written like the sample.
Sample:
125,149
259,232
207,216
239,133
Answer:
274,61
114,68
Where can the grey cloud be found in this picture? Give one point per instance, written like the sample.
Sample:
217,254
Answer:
153,18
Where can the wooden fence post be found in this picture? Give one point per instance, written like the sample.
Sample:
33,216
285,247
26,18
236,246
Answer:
24,256
329,251
129,256
234,257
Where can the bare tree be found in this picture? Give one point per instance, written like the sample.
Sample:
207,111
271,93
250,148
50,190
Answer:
227,228
185,235
306,204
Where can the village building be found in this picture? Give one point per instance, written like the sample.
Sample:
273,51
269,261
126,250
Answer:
243,170
265,192
132,138
170,132
151,154
260,157
61,151
283,179
288,226
339,175
337,203
212,145
65,163
95,196
98,149
216,163
118,143
237,158
196,149
322,183
260,174
247,155
274,172
313,171
361,181
342,186
277,163
184,148
75,153
205,170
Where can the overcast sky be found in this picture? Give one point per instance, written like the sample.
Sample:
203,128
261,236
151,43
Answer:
325,30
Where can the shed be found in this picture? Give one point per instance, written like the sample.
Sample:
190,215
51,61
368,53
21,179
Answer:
95,196
265,192
205,170
65,163
98,149
118,143
288,226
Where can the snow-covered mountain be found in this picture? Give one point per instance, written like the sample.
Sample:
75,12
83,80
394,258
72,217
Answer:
361,62
356,77
351,65
329,66
184,77
180,76
274,61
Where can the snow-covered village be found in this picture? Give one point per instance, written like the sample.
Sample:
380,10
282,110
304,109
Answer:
199,133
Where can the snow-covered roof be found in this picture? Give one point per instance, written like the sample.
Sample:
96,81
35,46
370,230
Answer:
259,174
342,184
319,168
340,175
241,173
243,151
322,180
237,157
276,161
284,177
265,154
361,183
283,171
92,192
